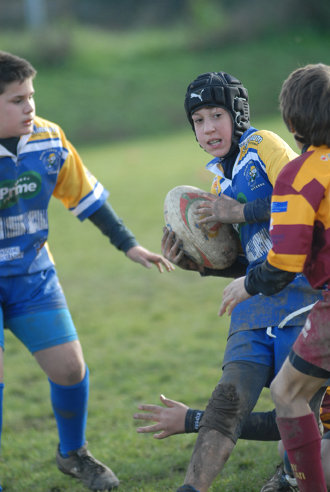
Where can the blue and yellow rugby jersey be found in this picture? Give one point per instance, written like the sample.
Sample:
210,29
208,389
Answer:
46,164
262,155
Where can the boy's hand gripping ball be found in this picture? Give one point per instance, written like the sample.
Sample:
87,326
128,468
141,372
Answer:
212,245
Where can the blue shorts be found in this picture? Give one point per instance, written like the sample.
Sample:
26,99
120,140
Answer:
34,308
267,346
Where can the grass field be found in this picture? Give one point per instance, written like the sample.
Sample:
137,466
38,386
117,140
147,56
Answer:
143,334
108,86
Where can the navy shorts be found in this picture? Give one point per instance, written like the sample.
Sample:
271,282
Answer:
34,308
267,346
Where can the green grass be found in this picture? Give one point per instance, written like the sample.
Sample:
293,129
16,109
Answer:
143,334
106,86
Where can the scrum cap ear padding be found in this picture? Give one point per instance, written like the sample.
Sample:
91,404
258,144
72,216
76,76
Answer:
219,89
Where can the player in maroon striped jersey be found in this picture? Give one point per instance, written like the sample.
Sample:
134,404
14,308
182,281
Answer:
300,232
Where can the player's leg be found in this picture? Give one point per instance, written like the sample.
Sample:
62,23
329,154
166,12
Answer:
325,453
283,478
1,393
305,370
273,347
2,344
47,330
291,391
63,363
51,337
69,388
232,401
325,443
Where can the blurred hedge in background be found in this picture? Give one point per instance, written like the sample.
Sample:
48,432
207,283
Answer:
110,71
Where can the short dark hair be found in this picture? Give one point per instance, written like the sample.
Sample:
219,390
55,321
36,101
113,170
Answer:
305,104
13,69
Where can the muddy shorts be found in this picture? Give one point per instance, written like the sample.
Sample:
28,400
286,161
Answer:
311,351
266,346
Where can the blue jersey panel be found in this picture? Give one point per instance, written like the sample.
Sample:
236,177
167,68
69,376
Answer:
272,310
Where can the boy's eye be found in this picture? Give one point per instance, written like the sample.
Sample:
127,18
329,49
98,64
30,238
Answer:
23,99
197,120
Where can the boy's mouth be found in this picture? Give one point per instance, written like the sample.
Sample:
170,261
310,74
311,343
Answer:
214,141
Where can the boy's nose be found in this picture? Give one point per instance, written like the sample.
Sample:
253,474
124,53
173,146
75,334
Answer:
209,127
29,108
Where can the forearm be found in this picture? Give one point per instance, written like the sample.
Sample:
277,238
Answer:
258,210
267,280
113,227
238,269
259,426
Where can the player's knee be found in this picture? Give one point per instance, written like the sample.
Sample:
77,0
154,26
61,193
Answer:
327,476
74,371
224,411
73,366
275,392
281,394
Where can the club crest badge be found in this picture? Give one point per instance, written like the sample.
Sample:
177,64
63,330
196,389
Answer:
51,160
251,173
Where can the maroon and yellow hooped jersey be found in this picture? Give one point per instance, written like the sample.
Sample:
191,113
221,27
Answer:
325,411
300,220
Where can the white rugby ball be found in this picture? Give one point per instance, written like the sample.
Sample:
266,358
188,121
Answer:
212,245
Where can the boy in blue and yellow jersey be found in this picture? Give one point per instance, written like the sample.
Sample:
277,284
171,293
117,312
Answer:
300,232
246,164
36,163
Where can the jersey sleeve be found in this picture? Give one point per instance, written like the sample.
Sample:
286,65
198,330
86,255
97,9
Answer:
112,226
76,187
267,279
275,153
292,219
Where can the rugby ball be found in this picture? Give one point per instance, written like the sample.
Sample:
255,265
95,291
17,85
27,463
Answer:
211,245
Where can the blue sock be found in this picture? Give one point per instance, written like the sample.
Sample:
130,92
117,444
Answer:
1,398
287,465
70,406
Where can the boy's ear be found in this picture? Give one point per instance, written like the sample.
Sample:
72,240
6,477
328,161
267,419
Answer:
290,127
298,138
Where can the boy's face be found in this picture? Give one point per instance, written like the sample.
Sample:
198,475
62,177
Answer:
17,109
214,129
